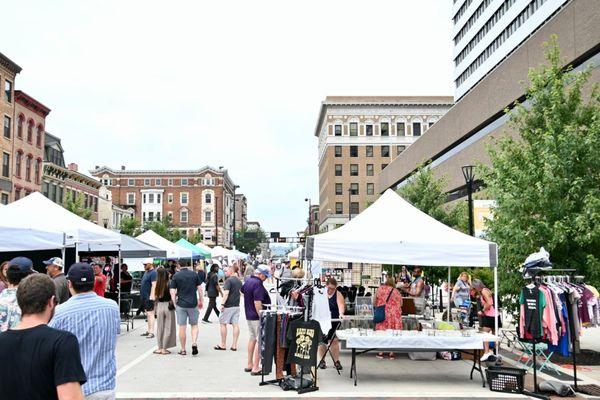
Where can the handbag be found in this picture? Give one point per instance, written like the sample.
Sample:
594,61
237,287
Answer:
379,311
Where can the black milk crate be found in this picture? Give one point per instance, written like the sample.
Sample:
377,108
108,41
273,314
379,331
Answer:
506,379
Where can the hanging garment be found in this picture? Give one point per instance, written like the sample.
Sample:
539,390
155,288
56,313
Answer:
268,341
320,309
304,338
532,306
549,317
565,340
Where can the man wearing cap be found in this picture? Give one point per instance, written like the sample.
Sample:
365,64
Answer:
147,295
10,313
54,268
96,323
255,295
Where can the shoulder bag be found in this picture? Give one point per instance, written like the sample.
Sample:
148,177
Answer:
379,311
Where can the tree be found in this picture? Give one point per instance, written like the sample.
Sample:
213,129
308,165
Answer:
130,226
547,182
195,238
165,229
249,240
78,207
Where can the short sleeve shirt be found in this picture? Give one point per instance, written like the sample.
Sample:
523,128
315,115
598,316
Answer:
186,282
253,290
211,285
146,284
234,285
10,313
100,285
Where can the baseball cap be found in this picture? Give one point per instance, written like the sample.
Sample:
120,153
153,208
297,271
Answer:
81,272
148,261
264,269
24,264
55,261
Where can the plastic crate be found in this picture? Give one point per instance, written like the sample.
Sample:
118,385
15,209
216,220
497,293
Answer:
506,379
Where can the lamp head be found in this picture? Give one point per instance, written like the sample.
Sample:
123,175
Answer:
467,171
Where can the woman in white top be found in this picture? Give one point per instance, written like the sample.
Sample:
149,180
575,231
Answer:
461,290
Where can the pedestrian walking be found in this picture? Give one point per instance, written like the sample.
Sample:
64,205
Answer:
39,362
213,290
95,321
147,297
230,308
255,297
10,312
99,280
54,269
166,335
186,293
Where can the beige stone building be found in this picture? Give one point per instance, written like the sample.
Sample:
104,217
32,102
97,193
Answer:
8,72
358,137
241,212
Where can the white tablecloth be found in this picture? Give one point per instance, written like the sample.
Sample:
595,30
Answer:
447,340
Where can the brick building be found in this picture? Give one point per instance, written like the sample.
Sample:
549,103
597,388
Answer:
8,72
28,144
195,200
241,212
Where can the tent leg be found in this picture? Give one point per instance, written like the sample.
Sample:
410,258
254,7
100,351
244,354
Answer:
497,308
76,252
449,290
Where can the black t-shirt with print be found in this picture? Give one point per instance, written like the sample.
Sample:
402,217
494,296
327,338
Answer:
34,361
303,341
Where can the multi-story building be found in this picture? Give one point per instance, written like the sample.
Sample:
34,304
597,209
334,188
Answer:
194,200
253,225
313,220
358,138
110,215
28,144
8,72
503,39
241,212
60,182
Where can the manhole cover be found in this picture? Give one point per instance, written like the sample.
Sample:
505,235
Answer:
592,390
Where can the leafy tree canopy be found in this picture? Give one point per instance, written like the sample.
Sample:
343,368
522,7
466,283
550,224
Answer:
78,207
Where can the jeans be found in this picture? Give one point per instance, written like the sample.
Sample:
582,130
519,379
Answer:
212,305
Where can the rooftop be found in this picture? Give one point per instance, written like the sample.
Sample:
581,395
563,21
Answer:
9,64
31,103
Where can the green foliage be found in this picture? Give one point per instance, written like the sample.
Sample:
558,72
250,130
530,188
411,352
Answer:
78,207
547,183
249,240
195,238
165,229
130,226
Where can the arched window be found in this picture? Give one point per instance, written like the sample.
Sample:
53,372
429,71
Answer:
20,122
38,168
30,131
40,132
28,167
18,162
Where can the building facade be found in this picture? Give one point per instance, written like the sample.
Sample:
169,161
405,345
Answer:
478,118
110,215
313,220
241,212
487,31
358,138
194,200
28,144
8,72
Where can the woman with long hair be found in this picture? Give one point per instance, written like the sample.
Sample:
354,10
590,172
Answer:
487,314
3,278
388,295
165,314
212,292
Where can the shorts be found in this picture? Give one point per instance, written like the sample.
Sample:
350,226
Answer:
185,314
147,305
334,326
230,316
103,395
254,327
488,322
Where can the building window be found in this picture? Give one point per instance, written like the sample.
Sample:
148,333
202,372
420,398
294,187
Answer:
170,182
183,198
7,127
183,216
130,199
151,198
338,169
353,151
170,198
28,168
354,188
370,170
338,130
369,151
207,216
370,189
339,208
170,216
385,151
184,182
338,151
353,169
158,198
416,129
146,182
208,198
20,121
157,182
6,165
30,131
400,149
338,189
130,182
8,90
401,129
354,208
18,161
4,199
38,168
38,138
369,130
353,129
385,129
383,166
17,194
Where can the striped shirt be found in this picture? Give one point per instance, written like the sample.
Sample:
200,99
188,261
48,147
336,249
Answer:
95,321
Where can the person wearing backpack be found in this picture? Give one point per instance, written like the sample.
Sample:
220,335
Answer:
389,299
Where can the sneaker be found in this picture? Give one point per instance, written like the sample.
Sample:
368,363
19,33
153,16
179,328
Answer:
486,356
338,365
322,365
205,321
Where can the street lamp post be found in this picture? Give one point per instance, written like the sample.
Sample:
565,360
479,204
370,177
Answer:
467,171
309,216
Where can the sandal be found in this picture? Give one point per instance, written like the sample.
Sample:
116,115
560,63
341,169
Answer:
164,353
182,353
157,352
256,373
150,336
194,349
144,334
219,348
233,348
392,356
380,356
247,369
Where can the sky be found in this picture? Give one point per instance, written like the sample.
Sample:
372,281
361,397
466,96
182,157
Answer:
239,84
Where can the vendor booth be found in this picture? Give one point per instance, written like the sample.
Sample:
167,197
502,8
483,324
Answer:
173,250
197,252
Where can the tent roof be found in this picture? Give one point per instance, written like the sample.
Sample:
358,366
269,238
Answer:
205,248
392,231
295,253
196,251
130,248
173,250
42,224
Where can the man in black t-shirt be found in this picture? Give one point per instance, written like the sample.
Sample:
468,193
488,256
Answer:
36,361
126,279
186,293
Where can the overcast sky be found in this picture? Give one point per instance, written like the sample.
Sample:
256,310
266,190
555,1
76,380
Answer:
183,84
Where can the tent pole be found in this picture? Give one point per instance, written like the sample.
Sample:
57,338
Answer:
120,260
64,248
76,252
496,307
448,309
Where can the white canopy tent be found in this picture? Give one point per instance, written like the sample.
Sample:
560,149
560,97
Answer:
219,251
392,231
37,223
295,254
173,251
204,247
